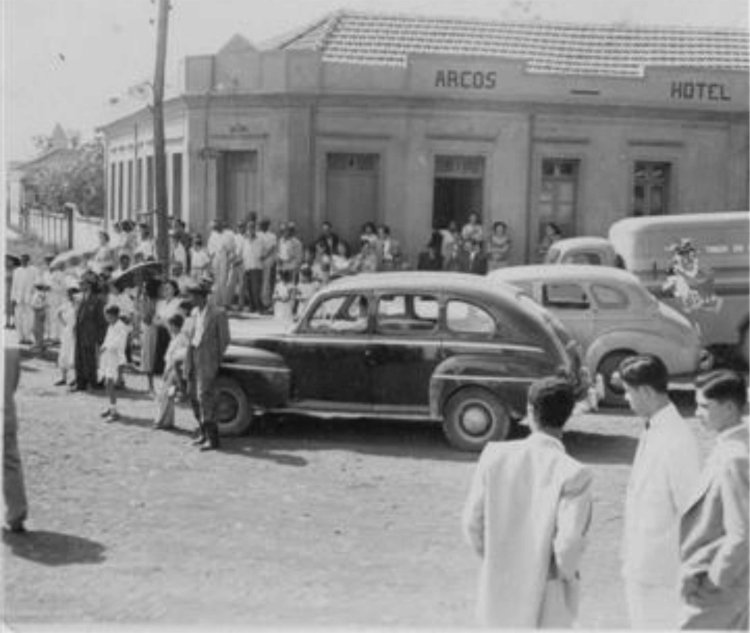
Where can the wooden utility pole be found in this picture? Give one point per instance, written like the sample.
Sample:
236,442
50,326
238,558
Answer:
160,155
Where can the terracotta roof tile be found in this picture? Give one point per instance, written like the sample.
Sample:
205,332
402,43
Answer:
579,49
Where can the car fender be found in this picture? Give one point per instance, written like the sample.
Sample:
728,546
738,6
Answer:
263,375
508,377
638,341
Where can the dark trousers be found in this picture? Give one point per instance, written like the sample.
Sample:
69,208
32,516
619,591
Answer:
254,289
203,403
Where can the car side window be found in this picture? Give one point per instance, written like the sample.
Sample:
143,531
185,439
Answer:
406,314
565,296
609,298
341,313
585,257
467,318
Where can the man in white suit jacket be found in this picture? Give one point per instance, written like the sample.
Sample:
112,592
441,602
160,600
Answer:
527,516
714,529
664,474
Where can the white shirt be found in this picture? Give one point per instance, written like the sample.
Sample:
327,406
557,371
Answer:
269,247
252,252
664,475
199,321
22,284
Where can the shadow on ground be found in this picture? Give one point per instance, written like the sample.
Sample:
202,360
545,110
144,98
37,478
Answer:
53,548
597,448
413,440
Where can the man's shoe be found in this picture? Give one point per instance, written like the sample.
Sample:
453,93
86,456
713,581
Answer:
58,383
106,413
113,416
208,447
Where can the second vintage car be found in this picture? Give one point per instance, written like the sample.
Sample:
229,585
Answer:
445,347
612,315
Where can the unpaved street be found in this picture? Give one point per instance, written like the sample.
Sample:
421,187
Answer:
304,523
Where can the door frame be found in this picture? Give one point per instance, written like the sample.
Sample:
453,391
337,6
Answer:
347,145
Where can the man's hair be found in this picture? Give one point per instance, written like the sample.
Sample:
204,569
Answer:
723,385
176,321
552,401
644,370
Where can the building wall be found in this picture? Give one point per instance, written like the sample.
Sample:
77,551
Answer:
293,110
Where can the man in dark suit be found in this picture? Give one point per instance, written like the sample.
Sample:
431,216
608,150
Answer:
714,528
328,239
473,260
209,337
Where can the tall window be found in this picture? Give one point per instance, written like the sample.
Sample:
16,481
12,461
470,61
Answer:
120,169
130,189
651,188
112,177
149,184
177,185
558,194
138,185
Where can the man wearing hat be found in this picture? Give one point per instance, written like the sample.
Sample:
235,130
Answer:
209,338
22,289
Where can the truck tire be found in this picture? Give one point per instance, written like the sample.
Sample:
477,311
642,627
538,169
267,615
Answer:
473,417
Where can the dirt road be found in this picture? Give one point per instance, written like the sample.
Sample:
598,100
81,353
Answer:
307,523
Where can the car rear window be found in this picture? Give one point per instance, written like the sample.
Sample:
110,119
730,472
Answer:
466,318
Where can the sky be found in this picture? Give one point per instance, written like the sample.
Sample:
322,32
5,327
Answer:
63,60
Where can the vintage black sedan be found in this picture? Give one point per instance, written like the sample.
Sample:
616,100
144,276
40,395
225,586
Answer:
446,347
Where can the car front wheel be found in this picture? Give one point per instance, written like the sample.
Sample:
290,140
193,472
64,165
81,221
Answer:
232,408
473,417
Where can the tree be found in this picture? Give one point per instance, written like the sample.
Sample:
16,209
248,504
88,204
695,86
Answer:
72,175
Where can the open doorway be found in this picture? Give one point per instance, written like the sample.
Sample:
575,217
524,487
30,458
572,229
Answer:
457,189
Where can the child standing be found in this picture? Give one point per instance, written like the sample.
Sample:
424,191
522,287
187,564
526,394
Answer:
39,304
112,356
66,320
174,382
283,297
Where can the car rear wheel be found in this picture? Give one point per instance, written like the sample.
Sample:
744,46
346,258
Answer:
232,408
614,394
473,417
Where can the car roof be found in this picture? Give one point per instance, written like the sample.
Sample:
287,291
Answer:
584,240
567,272
685,221
418,280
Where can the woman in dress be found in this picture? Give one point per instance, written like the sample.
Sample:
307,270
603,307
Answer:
472,230
340,262
552,234
498,246
65,316
174,382
104,255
